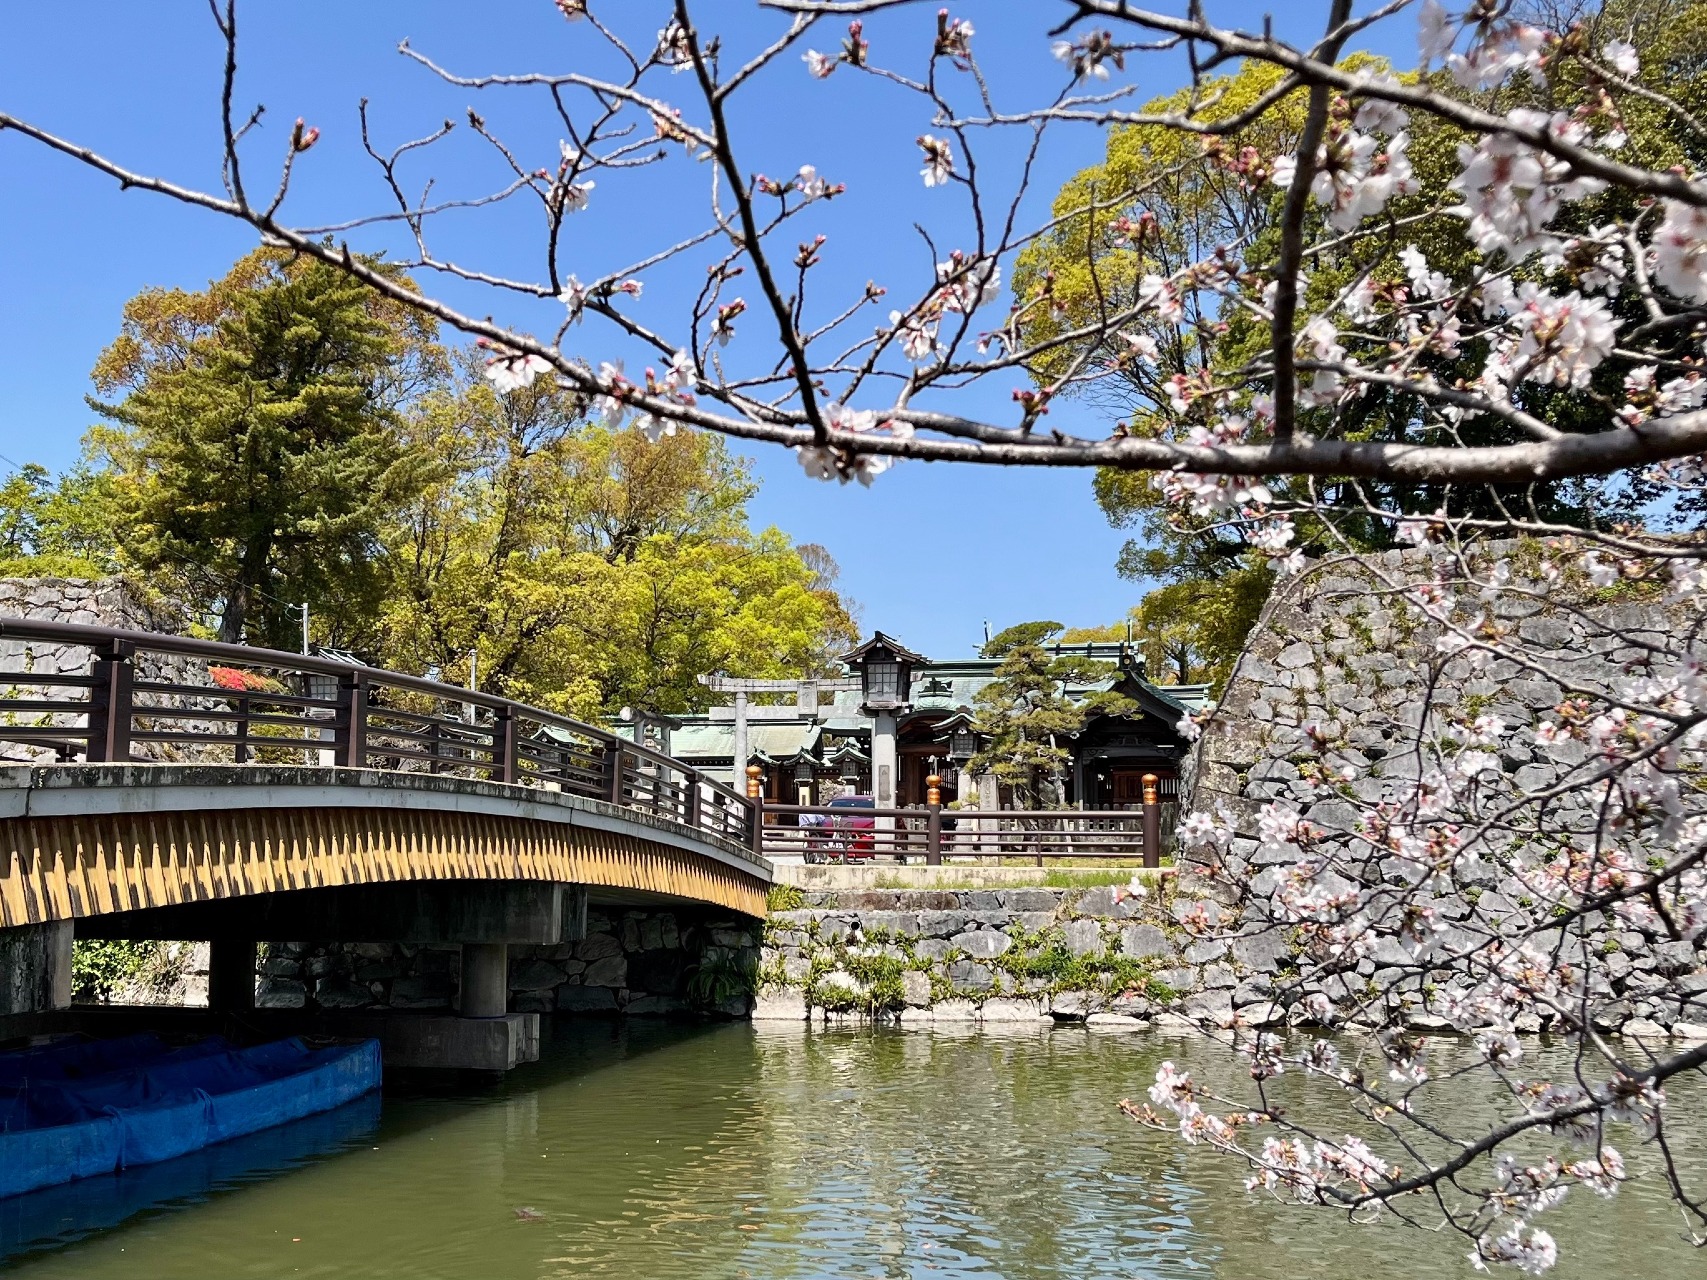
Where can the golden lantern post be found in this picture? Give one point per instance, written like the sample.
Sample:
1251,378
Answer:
933,821
1152,822
754,798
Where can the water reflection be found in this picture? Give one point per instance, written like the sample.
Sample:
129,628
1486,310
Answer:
780,1152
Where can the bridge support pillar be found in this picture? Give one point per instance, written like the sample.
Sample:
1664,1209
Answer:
485,979
35,967
230,975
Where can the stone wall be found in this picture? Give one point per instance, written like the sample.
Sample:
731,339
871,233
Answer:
632,962
105,602
1338,675
1098,955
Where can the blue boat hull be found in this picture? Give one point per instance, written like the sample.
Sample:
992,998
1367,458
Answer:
59,1129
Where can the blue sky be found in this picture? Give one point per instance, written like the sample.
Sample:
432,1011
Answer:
930,551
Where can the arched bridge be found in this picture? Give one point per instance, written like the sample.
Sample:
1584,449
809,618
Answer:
162,786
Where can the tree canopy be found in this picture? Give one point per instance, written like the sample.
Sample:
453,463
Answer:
288,435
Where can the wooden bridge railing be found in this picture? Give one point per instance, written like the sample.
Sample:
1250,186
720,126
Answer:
102,695
820,833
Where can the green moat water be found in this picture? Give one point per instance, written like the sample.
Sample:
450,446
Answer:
738,1151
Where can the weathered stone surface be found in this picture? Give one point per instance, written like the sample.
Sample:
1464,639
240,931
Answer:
598,946
1143,941
574,999
780,1006
1009,1010
1673,958
611,971
341,993
915,988
954,1011
536,975
1212,1007
969,975
1083,937
1031,900
1262,950
983,944
281,993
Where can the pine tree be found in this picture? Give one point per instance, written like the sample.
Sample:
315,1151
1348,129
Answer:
257,452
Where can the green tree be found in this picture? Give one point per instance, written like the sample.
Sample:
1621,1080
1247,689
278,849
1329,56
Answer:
1037,700
588,567
257,452
57,528
1162,199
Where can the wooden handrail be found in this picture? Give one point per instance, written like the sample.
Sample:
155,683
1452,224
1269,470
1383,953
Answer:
356,730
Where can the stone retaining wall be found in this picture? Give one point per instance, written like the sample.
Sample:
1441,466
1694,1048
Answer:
991,955
1337,674
631,962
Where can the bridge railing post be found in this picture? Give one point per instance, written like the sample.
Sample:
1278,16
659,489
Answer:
506,763
691,801
614,771
349,735
111,704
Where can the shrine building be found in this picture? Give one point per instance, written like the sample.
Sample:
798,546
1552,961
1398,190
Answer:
897,718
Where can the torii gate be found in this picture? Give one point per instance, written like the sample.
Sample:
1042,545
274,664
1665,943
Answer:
805,688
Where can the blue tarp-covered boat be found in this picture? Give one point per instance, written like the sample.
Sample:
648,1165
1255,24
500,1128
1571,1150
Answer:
72,1110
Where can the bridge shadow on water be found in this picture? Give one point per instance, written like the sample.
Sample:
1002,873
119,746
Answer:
409,1103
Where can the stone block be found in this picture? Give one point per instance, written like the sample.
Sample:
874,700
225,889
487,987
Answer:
1083,937
536,975
942,924
1011,1010
1143,941
1212,1007
341,993
1262,950
915,988
1675,957
969,975
1032,900
598,946
1264,1013
1205,949
586,1000
611,971
954,1011
784,1005
281,993
533,1001
984,944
